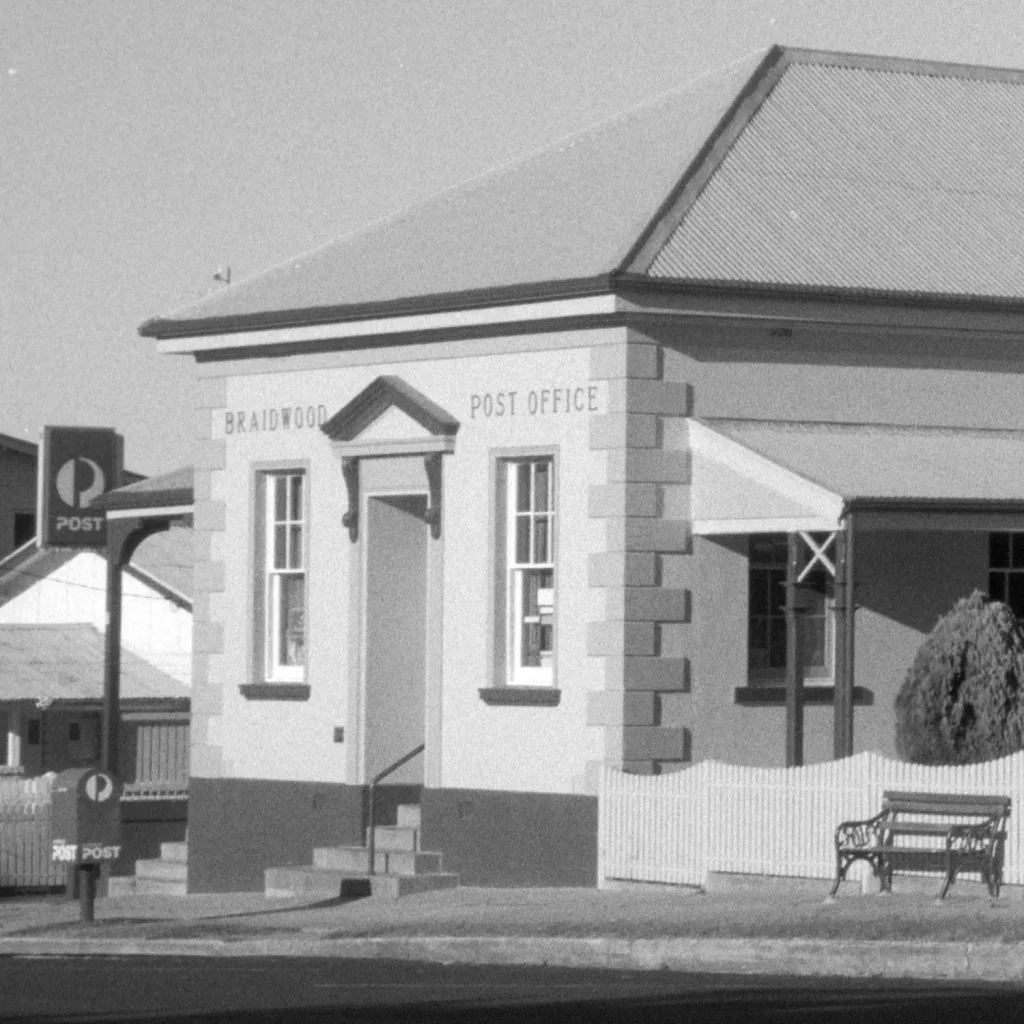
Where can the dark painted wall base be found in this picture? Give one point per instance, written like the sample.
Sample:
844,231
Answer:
145,824
513,839
240,827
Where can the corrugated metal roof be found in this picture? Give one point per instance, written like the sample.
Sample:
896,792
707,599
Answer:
572,211
858,177
799,169
65,662
895,463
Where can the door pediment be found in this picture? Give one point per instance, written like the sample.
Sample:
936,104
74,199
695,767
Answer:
390,417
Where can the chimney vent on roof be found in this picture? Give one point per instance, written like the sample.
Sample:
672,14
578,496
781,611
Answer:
223,275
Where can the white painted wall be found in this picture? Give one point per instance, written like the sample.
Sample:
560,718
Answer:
540,749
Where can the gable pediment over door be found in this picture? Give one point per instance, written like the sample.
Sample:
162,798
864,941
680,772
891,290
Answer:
390,417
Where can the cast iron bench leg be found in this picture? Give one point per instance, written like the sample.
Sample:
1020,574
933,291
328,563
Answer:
950,872
884,875
840,875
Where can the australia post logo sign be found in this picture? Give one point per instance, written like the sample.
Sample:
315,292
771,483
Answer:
79,464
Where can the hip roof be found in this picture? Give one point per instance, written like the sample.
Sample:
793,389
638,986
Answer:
794,170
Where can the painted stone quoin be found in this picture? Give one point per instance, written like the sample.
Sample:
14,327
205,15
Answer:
665,445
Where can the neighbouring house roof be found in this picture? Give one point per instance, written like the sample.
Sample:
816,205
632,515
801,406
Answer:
759,470
65,662
16,444
797,170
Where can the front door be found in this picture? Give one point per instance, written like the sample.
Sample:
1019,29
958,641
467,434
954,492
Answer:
396,619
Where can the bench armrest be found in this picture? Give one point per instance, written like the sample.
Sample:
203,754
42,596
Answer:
973,838
859,833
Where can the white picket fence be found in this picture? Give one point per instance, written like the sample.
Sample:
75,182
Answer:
25,834
771,821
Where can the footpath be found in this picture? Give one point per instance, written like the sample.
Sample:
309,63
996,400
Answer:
738,928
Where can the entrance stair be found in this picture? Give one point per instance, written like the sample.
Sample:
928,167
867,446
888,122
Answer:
401,867
163,876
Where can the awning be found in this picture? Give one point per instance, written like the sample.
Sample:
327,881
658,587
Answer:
770,476
170,495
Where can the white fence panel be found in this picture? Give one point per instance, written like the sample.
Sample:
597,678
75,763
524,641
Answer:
649,827
25,834
771,821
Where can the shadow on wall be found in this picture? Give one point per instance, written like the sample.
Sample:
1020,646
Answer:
915,577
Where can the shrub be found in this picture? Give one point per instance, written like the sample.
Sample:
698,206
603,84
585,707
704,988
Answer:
962,700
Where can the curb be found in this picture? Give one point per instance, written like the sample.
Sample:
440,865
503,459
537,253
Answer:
978,961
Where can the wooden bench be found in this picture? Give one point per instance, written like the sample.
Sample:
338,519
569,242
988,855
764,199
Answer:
886,841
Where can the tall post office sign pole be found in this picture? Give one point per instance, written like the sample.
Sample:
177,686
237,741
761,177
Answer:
79,464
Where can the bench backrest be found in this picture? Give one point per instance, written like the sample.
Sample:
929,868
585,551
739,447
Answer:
970,804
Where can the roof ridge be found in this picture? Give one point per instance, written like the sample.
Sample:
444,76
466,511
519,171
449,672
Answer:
900,65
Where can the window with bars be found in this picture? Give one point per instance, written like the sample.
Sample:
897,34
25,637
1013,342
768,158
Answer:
284,576
1006,570
766,616
530,555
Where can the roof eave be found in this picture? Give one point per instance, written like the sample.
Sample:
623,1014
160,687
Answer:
627,283
444,302
112,501
959,506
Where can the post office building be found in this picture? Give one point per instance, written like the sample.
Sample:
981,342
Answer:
517,481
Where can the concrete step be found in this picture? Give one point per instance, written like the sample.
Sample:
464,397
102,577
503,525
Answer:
162,870
331,884
410,815
393,887
130,885
177,852
305,881
356,860
121,885
397,837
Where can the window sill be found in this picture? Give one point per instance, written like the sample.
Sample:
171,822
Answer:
275,691
528,696
760,696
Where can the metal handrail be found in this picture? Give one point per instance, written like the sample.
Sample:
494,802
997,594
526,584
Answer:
372,840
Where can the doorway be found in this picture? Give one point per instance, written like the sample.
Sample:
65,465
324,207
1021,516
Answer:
396,633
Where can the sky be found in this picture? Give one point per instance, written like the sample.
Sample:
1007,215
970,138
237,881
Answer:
144,144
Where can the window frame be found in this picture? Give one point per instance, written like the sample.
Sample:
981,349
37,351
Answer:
539,534
512,683
775,676
1009,572
270,678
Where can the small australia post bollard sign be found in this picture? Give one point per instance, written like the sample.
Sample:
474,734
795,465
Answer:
86,816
